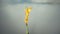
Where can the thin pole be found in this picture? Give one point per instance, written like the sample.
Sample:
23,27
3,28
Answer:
27,29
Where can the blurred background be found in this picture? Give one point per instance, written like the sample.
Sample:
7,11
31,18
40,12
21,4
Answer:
44,17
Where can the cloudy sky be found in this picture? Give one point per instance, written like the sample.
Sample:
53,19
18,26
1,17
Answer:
18,1
43,19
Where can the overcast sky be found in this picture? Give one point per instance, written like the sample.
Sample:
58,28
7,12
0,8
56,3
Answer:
18,1
43,19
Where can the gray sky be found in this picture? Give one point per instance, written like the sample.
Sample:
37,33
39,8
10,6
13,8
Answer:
18,1
43,19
